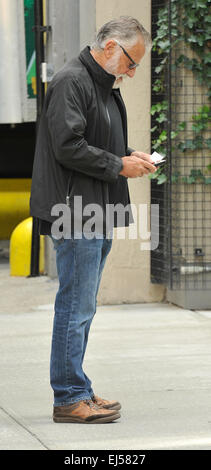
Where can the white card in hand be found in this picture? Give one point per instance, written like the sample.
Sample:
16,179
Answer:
157,157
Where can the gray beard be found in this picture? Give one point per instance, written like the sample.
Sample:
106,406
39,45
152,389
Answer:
120,83
116,85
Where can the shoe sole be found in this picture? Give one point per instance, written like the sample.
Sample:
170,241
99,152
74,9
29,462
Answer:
106,419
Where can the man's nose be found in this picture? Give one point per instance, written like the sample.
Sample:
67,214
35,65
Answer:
131,72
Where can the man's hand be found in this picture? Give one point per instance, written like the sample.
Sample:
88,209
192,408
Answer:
143,156
136,166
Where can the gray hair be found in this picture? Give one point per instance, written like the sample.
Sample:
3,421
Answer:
125,29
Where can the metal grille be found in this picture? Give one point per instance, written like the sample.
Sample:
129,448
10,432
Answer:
182,260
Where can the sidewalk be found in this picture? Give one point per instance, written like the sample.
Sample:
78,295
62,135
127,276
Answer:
153,358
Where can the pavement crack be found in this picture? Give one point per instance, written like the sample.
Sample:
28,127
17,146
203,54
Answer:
23,426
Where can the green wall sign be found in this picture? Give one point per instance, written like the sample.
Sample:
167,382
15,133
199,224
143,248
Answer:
30,48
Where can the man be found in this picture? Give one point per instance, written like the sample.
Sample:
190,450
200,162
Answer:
82,151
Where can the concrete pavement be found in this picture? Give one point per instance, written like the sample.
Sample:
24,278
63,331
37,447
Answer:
154,358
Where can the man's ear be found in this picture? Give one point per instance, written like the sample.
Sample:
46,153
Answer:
109,48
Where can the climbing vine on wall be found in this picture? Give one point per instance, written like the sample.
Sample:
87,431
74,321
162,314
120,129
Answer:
190,25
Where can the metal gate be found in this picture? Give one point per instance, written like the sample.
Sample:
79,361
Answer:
181,131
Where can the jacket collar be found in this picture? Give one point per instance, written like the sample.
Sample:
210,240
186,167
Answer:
103,78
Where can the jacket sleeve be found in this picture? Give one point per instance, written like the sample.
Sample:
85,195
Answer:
66,118
129,151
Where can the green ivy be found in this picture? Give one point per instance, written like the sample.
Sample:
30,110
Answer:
190,23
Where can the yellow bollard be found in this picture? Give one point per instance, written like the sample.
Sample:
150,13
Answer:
20,249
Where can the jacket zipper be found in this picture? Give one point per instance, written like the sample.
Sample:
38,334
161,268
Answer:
109,122
68,192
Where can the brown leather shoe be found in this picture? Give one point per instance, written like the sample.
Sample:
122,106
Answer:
108,405
84,411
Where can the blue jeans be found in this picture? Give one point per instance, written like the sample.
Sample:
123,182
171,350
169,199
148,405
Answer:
80,263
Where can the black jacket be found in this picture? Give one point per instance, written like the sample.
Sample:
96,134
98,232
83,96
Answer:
71,156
